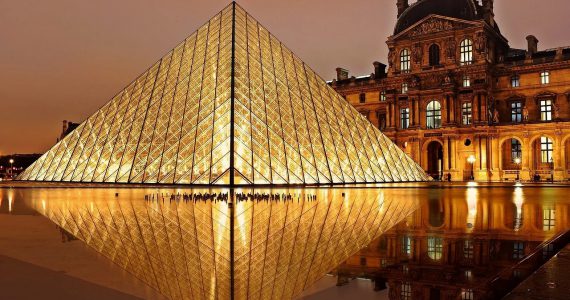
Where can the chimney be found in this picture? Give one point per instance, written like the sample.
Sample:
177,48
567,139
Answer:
379,70
402,6
488,12
341,74
532,44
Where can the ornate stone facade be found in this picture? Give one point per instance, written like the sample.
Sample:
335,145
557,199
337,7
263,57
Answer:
507,108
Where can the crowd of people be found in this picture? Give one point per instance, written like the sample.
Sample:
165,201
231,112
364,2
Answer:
224,197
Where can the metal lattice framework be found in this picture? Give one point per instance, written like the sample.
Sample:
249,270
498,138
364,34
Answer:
213,250
229,105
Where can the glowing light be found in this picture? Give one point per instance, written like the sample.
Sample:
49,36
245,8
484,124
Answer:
472,198
271,143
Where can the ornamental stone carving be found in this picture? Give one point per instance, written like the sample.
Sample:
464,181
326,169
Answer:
431,26
418,53
481,43
451,48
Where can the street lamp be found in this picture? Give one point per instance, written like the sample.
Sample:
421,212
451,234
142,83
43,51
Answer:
471,160
11,167
518,163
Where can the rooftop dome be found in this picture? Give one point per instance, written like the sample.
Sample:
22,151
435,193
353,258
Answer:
460,9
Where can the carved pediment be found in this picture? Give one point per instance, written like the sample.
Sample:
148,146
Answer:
434,24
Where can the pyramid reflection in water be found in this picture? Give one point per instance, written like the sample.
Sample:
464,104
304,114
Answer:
229,105
184,249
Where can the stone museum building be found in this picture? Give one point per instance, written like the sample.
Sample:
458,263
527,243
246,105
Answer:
463,103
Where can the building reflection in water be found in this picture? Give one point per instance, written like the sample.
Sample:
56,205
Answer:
215,249
459,240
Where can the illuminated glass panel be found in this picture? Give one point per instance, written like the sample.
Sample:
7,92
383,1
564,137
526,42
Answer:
405,61
548,219
546,150
433,115
435,248
466,52
230,96
184,248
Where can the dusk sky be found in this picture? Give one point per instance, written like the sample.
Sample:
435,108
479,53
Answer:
63,59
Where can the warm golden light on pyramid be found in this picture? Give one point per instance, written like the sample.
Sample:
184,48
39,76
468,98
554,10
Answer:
229,105
190,250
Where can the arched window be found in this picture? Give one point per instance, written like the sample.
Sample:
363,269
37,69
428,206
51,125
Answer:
405,60
516,150
433,115
466,50
434,55
546,149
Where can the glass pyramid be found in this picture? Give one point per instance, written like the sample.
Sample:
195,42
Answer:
214,250
231,105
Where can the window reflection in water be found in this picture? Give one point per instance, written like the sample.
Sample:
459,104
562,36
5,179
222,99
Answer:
462,238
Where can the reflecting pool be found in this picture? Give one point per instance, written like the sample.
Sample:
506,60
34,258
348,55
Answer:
196,244
411,241
464,243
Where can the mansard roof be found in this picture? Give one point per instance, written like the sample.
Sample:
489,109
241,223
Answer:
460,9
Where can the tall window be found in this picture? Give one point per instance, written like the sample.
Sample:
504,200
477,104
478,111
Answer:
546,149
515,81
545,77
516,111
467,294
381,121
466,81
546,110
548,219
407,245
435,248
468,249
518,250
404,88
466,113
516,149
466,52
405,118
434,55
406,293
383,96
362,98
405,61
433,115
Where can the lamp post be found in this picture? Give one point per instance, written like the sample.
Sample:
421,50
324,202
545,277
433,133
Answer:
518,163
471,160
11,168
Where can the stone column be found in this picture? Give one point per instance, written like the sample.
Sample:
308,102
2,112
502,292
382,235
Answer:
388,115
391,113
454,173
526,149
452,108
418,112
481,157
446,155
444,111
563,160
495,163
557,155
396,111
